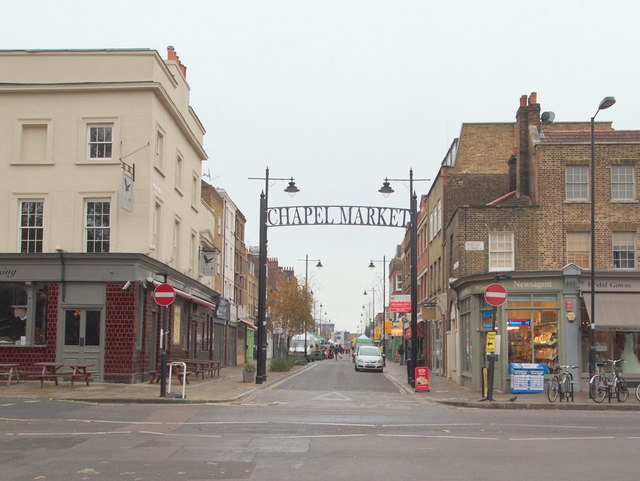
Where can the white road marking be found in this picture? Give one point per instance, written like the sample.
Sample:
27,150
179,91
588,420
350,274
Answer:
575,438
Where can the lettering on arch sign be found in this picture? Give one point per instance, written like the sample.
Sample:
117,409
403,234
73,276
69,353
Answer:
338,215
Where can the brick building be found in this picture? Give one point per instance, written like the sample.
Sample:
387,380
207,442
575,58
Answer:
516,204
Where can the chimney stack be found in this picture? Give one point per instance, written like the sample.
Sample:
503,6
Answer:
171,55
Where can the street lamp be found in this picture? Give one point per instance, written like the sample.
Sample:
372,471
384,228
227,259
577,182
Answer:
384,300
604,104
387,190
373,310
261,371
306,287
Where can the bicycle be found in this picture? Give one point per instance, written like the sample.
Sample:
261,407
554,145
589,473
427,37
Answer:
561,385
638,392
609,385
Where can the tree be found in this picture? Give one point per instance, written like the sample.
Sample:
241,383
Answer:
290,305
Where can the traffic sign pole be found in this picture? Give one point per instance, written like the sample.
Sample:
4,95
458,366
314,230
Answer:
495,295
162,297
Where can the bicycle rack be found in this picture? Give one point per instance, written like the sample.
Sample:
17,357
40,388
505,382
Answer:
184,378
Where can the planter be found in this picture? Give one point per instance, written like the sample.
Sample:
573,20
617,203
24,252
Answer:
248,376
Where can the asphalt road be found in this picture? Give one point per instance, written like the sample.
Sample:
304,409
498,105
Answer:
329,422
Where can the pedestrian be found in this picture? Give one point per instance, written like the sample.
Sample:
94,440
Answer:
401,354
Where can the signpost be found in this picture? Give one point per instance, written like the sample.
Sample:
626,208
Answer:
495,295
164,295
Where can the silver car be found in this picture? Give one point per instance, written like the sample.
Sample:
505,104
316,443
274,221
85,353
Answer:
368,358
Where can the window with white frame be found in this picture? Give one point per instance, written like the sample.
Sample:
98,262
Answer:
97,225
100,143
31,225
159,150
622,182
501,251
179,173
577,182
624,250
578,251
398,282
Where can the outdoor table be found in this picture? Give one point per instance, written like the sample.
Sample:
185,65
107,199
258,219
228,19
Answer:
51,371
10,370
202,366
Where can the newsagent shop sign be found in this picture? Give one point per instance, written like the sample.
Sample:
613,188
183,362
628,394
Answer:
338,215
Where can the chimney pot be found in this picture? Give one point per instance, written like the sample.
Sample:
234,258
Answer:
523,101
533,98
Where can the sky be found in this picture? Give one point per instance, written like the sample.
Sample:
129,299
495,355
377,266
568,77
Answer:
340,94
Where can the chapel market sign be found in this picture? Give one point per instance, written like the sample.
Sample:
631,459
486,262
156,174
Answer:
338,215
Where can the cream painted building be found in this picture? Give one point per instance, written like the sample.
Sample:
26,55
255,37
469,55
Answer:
100,186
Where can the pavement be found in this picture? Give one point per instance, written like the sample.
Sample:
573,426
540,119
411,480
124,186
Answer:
229,387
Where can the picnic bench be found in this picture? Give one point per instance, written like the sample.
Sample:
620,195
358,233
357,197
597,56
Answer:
10,370
51,371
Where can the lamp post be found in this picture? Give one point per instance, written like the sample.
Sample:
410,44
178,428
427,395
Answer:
373,310
261,371
386,190
384,300
306,286
604,104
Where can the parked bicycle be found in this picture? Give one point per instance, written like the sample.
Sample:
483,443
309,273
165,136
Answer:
561,385
638,392
611,385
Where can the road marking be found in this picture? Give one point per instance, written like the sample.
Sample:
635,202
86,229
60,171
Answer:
574,438
544,426
419,436
282,381
428,425
333,396
319,436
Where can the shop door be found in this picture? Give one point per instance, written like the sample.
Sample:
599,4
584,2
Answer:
82,334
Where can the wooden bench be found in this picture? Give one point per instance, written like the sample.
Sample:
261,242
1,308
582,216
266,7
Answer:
177,373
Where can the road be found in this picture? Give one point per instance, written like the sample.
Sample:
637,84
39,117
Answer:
329,422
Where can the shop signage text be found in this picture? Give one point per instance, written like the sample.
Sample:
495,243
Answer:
8,273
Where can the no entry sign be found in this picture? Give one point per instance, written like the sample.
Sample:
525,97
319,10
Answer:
164,294
495,294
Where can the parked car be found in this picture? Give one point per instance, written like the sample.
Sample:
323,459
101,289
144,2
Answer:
368,358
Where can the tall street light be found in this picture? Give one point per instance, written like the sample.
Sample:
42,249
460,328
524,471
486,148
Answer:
261,371
373,310
384,300
604,104
387,190
306,287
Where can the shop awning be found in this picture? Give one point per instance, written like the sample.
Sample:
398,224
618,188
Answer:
615,311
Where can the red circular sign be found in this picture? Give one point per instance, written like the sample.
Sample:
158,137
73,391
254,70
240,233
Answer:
495,294
164,294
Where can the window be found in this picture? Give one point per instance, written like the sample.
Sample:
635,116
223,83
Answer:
578,251
195,183
23,314
622,182
532,324
624,250
501,256
179,168
175,251
31,225
98,225
467,334
159,152
577,182
157,225
100,141
398,282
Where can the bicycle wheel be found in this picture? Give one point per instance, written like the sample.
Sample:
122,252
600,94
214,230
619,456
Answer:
638,392
598,388
622,390
553,389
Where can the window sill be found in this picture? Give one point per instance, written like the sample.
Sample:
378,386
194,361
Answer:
624,201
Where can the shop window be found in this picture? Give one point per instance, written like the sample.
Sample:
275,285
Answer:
532,327
465,327
23,314
613,345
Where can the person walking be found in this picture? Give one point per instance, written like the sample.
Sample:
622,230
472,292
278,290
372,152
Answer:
401,353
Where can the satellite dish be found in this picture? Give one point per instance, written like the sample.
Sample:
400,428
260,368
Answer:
547,117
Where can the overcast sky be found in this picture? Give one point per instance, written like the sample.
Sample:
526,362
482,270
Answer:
342,93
